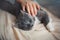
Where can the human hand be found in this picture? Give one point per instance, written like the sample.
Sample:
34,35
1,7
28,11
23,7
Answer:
31,6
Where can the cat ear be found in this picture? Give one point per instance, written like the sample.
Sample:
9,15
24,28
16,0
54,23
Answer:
21,13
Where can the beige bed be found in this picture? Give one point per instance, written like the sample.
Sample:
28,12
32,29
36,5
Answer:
9,32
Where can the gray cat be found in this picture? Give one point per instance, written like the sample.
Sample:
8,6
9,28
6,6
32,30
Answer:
24,21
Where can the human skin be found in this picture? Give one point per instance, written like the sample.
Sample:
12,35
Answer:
30,5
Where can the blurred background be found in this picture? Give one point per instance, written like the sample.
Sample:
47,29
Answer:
51,5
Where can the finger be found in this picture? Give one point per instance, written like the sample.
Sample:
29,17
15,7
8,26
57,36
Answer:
28,9
31,9
35,9
38,6
23,8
